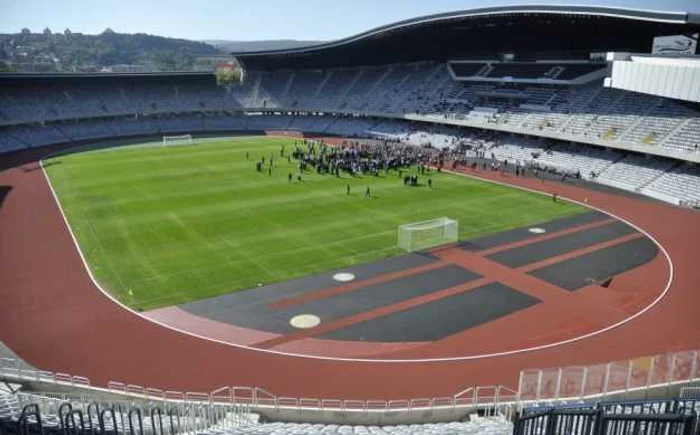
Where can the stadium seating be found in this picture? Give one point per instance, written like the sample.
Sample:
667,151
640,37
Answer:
588,111
522,70
482,426
351,126
312,124
572,71
686,137
634,172
680,184
36,412
53,413
33,116
662,179
564,158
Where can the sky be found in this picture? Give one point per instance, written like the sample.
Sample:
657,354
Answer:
253,19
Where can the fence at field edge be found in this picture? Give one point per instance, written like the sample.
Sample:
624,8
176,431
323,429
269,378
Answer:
574,382
255,397
599,380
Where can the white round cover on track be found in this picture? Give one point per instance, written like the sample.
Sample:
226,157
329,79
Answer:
305,321
343,277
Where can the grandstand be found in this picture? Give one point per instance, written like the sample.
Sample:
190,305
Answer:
587,114
535,103
57,402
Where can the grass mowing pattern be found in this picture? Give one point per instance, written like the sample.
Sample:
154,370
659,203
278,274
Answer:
163,226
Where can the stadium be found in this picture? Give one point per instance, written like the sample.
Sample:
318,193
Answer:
482,221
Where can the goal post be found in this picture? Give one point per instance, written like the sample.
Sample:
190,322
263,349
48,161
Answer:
427,234
183,139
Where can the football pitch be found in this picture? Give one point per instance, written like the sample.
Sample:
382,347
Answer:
166,225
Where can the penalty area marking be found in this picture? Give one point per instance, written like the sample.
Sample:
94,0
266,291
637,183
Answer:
344,277
305,321
537,230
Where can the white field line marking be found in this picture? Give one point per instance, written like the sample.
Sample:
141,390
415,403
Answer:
104,252
284,253
250,258
381,361
228,284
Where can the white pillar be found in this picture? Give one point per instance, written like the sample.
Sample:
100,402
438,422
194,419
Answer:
669,376
629,377
558,388
583,381
606,379
520,383
651,371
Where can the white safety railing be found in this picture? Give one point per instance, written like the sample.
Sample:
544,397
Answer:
615,377
576,382
254,398
19,370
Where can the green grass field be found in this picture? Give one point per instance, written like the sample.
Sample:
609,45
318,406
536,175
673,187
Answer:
162,226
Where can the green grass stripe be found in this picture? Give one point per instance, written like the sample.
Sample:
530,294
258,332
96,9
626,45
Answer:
176,224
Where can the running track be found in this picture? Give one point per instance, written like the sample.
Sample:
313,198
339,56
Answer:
53,316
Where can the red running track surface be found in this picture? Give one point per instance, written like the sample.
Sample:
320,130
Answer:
53,316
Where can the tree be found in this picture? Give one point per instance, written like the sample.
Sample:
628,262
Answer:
229,78
108,31
26,31
67,32
47,31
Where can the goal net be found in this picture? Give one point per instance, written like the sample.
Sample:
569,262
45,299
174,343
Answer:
427,234
184,139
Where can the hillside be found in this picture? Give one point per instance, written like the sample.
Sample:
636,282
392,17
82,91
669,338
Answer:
75,52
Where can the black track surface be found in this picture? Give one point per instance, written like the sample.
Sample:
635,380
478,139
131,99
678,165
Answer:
258,315
519,234
599,265
561,245
441,318
444,317
296,287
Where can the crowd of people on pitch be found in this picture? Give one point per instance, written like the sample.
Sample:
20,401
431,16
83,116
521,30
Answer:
358,158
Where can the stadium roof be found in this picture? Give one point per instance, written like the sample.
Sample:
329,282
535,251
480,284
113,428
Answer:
486,32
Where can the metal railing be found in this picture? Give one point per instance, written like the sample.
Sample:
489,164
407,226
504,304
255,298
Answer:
599,380
134,415
535,386
598,422
18,369
244,400
557,421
